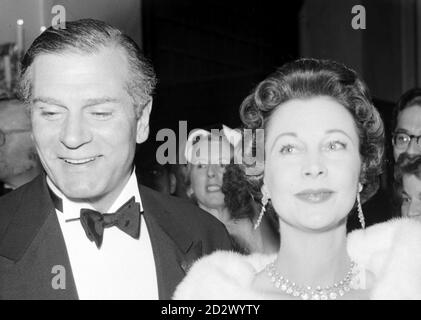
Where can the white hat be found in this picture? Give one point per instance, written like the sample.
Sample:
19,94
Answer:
233,137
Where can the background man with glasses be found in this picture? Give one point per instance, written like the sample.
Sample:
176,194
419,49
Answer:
18,158
407,125
406,140
402,142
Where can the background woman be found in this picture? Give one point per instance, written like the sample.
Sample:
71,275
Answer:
209,156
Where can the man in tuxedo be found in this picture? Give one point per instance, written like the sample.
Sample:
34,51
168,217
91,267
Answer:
85,228
18,158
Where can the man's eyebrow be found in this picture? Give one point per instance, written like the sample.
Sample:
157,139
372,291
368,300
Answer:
401,130
48,100
95,101
86,103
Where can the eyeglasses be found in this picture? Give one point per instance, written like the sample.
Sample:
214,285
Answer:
3,134
402,140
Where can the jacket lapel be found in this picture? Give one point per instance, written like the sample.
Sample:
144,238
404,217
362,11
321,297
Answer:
174,251
35,244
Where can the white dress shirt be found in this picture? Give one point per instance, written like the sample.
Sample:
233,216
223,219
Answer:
124,267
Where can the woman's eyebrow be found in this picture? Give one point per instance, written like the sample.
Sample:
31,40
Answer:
291,134
338,131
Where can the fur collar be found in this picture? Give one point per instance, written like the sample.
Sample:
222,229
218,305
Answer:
390,251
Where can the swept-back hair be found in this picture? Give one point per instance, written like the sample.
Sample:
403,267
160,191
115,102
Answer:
89,36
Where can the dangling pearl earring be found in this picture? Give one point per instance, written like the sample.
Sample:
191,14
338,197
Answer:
359,208
265,200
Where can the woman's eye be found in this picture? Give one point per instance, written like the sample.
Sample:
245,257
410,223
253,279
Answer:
288,149
336,145
202,166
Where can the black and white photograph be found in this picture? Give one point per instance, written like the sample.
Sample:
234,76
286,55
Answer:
210,154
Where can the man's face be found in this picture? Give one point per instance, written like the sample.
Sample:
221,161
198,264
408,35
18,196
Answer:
16,153
411,196
409,122
84,123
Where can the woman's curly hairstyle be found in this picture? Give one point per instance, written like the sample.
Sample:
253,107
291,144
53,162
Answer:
307,78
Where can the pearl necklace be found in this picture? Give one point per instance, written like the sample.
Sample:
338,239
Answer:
332,292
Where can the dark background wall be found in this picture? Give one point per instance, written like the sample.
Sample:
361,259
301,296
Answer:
209,54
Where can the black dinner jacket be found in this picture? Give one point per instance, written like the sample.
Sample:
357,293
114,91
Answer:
31,241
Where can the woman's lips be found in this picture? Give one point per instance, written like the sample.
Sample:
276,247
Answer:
315,196
213,188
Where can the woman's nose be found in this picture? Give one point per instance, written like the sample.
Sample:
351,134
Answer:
212,170
314,167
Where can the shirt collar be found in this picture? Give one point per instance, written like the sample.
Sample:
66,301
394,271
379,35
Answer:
8,186
71,209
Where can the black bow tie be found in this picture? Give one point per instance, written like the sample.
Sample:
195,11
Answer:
127,219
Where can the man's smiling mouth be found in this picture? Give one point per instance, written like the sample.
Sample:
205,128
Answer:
78,161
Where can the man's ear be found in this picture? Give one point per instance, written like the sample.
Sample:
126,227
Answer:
142,125
189,191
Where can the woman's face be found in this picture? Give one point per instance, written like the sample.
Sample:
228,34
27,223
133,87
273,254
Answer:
411,196
209,160
312,163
